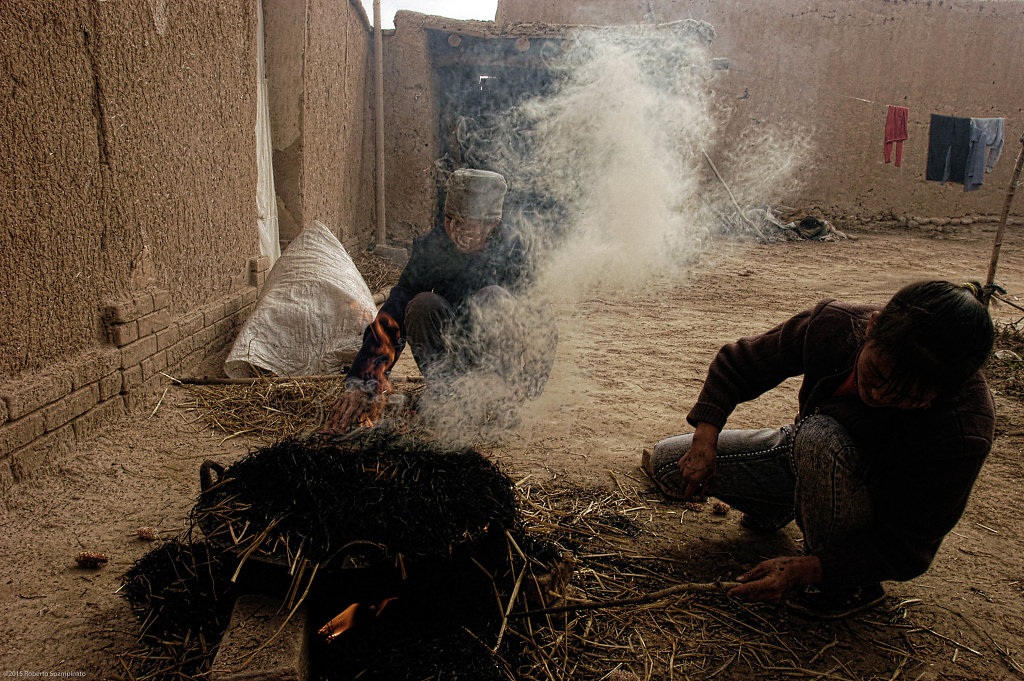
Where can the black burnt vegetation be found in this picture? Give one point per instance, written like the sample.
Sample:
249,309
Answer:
420,542
182,594
396,496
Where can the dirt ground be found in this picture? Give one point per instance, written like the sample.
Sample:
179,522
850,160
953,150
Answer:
629,367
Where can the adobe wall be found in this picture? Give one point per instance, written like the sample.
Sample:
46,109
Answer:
133,163
411,142
338,156
835,65
319,59
130,248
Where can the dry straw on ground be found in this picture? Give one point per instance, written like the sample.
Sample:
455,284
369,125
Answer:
1005,369
265,409
695,635
377,272
620,550
617,553
274,409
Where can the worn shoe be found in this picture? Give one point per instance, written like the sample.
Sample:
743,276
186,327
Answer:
664,471
835,603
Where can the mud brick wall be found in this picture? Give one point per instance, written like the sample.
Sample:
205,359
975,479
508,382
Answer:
45,414
132,168
131,152
830,68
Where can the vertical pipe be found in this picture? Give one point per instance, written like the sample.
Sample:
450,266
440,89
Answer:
378,51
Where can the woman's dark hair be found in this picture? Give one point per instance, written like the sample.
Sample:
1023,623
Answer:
936,334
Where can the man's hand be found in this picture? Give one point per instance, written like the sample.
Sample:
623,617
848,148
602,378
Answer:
347,409
697,466
774,579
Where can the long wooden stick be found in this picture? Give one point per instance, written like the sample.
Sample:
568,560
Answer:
739,211
214,380
1005,214
687,587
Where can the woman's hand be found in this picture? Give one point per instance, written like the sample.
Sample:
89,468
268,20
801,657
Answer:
347,409
697,466
774,579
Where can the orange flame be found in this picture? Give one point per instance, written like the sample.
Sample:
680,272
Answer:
340,624
347,619
383,333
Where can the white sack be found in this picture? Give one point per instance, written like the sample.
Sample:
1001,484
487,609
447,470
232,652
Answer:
310,317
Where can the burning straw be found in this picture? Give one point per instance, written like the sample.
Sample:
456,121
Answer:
276,409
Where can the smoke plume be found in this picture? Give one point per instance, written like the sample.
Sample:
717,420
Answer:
615,158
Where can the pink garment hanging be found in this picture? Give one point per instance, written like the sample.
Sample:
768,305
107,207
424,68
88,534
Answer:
895,132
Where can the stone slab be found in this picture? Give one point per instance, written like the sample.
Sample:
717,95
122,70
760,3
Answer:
393,254
254,621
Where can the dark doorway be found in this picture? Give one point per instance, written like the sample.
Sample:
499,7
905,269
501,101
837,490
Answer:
480,82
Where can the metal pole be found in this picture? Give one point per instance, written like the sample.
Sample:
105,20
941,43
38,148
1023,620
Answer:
378,50
1002,218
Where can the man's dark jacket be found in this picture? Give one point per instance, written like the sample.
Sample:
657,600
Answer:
436,265
921,463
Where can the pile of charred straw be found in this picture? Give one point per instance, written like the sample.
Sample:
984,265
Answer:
385,520
181,592
377,519
317,500
463,569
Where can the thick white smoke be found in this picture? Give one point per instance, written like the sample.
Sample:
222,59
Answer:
618,153
618,147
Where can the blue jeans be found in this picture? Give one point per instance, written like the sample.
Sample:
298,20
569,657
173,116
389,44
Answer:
811,471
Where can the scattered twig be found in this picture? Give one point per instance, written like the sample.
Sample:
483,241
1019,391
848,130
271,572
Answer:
159,402
689,587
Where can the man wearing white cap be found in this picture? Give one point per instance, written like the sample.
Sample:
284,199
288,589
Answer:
454,306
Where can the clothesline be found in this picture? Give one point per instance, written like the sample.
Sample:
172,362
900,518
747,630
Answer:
881,104
962,151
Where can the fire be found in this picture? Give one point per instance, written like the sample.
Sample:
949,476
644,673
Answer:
373,409
383,334
340,624
348,618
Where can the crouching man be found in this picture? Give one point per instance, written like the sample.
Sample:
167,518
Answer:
455,305
895,420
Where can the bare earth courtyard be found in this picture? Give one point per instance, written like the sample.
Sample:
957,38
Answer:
629,367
